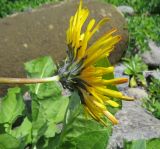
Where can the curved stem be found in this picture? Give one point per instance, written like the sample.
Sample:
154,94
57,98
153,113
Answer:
4,80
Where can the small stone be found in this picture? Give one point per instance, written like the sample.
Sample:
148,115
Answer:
119,73
119,69
134,123
27,96
152,57
137,93
153,74
126,10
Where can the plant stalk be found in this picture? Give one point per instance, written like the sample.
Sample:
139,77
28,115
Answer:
4,80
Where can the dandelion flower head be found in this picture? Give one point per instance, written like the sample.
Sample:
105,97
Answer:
79,71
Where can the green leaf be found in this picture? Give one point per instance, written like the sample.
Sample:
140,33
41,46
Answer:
23,132
142,79
47,114
49,89
51,129
138,144
2,128
80,132
11,106
83,133
133,82
9,142
41,68
50,110
55,108
153,143
143,144
39,122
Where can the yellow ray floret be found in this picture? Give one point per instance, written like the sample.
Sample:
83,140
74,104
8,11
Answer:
89,80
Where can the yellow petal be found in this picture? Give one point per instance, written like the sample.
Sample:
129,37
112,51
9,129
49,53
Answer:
111,117
127,98
80,23
112,103
100,24
95,95
98,119
108,101
109,92
100,105
115,81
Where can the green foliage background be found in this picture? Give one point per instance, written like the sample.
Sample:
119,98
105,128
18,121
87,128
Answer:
12,6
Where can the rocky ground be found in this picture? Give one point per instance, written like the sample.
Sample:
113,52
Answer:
134,121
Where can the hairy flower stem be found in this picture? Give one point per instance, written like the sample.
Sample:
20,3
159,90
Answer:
4,80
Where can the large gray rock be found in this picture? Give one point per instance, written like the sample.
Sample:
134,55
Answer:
152,74
137,93
134,123
39,32
152,57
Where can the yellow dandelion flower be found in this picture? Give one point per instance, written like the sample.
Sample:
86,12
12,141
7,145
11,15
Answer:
79,72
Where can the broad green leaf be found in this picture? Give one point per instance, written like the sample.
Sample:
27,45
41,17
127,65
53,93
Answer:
39,122
23,132
48,113
157,109
49,89
2,128
143,144
9,142
50,110
51,129
55,108
133,82
84,133
138,144
81,132
41,68
11,106
73,107
153,143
